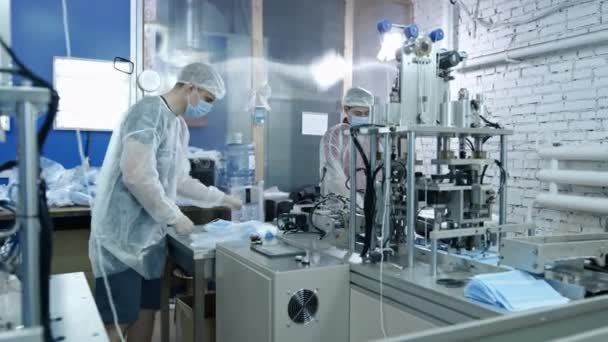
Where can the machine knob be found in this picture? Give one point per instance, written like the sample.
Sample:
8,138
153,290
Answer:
384,25
411,31
436,35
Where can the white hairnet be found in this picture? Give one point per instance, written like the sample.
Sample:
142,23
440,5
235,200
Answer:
358,97
205,77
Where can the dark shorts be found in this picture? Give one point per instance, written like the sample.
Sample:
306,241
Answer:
131,293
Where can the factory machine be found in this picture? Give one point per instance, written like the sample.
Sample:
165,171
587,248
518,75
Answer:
423,230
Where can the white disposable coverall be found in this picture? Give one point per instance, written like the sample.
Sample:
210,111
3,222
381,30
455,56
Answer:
144,169
335,162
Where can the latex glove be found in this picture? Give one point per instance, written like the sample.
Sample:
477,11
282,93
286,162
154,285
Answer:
183,226
232,202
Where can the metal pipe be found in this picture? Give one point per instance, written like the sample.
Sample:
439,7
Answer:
439,156
446,146
576,203
136,47
373,148
585,39
449,13
403,90
502,214
387,187
574,177
596,152
27,214
434,257
353,197
411,197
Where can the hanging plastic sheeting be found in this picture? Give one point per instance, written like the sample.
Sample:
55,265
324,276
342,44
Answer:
220,32
297,46
178,32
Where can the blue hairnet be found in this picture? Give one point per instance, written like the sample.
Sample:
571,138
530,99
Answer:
358,97
205,77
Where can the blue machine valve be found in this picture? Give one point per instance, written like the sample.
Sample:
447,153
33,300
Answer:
436,35
384,26
411,31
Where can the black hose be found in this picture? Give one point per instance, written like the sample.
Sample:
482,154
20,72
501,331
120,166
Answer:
483,174
369,198
490,123
46,254
471,146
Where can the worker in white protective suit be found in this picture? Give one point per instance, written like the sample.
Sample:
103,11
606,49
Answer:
145,168
335,147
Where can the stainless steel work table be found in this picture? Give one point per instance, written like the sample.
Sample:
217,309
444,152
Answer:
74,315
200,262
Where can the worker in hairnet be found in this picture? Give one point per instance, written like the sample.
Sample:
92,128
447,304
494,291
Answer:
145,168
335,146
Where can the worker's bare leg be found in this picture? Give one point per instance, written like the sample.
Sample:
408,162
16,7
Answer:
143,328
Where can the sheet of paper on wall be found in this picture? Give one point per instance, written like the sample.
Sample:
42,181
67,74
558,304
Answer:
5,123
314,123
4,126
93,94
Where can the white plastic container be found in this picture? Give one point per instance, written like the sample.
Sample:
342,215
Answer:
252,197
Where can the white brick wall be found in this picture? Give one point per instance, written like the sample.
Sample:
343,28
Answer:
561,97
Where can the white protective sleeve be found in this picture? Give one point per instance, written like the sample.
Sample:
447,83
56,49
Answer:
200,195
188,187
332,170
139,174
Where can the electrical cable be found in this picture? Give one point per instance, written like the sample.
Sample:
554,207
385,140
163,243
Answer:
369,198
471,146
490,123
384,222
503,175
483,173
37,81
85,167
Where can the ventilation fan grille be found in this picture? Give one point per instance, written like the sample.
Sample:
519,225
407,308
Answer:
303,306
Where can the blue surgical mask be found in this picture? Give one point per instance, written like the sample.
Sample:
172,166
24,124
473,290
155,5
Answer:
200,110
359,120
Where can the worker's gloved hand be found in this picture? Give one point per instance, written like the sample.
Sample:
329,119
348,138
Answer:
232,202
183,226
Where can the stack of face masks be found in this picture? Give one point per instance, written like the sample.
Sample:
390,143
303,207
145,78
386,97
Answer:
219,231
513,291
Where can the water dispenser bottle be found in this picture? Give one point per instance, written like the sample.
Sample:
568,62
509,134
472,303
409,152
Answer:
240,162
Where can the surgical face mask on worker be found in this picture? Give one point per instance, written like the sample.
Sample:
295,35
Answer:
358,118
202,107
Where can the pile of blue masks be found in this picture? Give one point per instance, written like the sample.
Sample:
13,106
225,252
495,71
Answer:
513,291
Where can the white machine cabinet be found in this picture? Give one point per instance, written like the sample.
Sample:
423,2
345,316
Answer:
262,299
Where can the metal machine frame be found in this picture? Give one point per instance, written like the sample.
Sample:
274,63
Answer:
411,133
420,106
25,101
